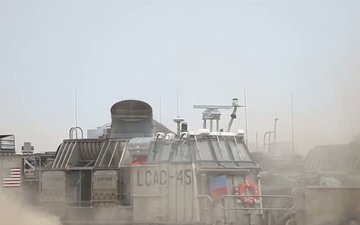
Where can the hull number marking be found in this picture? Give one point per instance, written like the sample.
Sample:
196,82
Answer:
155,177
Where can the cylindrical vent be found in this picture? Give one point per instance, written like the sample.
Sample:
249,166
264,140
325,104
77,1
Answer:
131,118
139,147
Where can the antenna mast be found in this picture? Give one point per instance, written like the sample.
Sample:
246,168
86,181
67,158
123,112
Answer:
292,124
160,107
76,118
246,120
177,104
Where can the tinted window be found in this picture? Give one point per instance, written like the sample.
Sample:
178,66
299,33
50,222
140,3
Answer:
181,153
159,152
221,151
154,152
165,152
202,150
239,151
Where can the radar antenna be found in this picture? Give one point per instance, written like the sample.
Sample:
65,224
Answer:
212,113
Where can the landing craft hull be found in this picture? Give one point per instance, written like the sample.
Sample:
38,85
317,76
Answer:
131,175
160,194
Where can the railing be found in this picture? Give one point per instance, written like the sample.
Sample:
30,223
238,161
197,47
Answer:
255,208
249,210
206,197
71,132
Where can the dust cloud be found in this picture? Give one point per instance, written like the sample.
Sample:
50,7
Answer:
346,88
13,211
338,122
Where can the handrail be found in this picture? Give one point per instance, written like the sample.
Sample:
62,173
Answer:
71,132
260,196
208,197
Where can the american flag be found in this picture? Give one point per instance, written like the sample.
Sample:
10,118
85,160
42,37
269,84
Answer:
12,179
218,187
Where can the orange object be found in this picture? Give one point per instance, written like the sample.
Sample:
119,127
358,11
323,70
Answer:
254,189
139,161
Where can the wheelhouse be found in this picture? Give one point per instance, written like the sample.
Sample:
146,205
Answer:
216,149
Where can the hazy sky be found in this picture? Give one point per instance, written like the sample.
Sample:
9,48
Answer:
206,51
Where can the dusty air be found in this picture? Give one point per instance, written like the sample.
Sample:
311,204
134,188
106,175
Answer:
179,112
134,172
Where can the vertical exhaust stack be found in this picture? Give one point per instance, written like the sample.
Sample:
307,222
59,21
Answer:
131,118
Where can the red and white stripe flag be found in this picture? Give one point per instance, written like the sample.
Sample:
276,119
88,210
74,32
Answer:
12,179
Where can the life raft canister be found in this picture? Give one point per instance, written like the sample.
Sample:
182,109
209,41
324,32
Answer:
254,189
